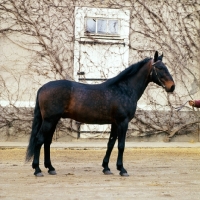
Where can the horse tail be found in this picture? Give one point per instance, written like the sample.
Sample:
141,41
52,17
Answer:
37,122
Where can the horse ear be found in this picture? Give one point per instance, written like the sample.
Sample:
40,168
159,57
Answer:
156,56
160,57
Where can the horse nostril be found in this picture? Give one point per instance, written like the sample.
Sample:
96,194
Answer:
172,88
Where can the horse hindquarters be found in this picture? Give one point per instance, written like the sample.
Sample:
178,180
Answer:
44,136
42,133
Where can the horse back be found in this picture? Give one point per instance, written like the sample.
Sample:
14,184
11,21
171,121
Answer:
81,102
92,104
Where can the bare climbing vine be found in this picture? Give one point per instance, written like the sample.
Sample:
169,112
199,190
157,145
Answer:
37,45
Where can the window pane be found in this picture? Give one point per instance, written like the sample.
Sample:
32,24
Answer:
113,26
91,26
101,26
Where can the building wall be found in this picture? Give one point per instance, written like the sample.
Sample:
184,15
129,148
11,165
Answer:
40,48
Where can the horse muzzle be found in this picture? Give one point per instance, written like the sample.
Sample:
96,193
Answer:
170,86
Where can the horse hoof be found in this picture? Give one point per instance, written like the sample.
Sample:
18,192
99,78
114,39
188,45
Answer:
52,172
124,174
107,172
40,174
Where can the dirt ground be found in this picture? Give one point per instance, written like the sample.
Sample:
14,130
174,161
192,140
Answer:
155,173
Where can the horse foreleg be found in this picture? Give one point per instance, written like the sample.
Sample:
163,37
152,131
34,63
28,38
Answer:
110,145
122,128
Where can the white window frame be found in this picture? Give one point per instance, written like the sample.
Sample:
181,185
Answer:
106,34
123,16
81,13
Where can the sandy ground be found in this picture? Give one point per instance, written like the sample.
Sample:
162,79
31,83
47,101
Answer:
155,173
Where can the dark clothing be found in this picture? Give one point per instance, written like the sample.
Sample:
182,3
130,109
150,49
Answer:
197,103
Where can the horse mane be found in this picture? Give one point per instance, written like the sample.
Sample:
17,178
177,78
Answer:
129,71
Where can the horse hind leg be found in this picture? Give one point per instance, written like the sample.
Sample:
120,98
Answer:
47,160
36,158
110,145
47,144
45,130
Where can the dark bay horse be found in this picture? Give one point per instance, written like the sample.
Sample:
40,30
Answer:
111,102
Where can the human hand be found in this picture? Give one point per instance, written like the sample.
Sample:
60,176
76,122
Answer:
191,103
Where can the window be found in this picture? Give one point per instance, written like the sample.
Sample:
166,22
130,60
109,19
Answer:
102,26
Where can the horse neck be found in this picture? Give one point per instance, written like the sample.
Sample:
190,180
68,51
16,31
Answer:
141,79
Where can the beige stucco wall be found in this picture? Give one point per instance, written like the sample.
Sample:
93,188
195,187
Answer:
170,27
22,81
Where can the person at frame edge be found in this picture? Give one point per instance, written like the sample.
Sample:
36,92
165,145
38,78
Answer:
195,103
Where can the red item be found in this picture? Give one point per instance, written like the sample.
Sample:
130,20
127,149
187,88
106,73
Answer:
197,103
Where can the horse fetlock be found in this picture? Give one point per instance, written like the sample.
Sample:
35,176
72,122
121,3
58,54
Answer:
123,171
124,174
38,172
51,168
105,164
35,165
120,168
48,165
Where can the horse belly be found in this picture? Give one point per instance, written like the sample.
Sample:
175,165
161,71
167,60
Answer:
90,108
90,115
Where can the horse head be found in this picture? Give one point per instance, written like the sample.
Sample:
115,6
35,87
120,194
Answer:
160,74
